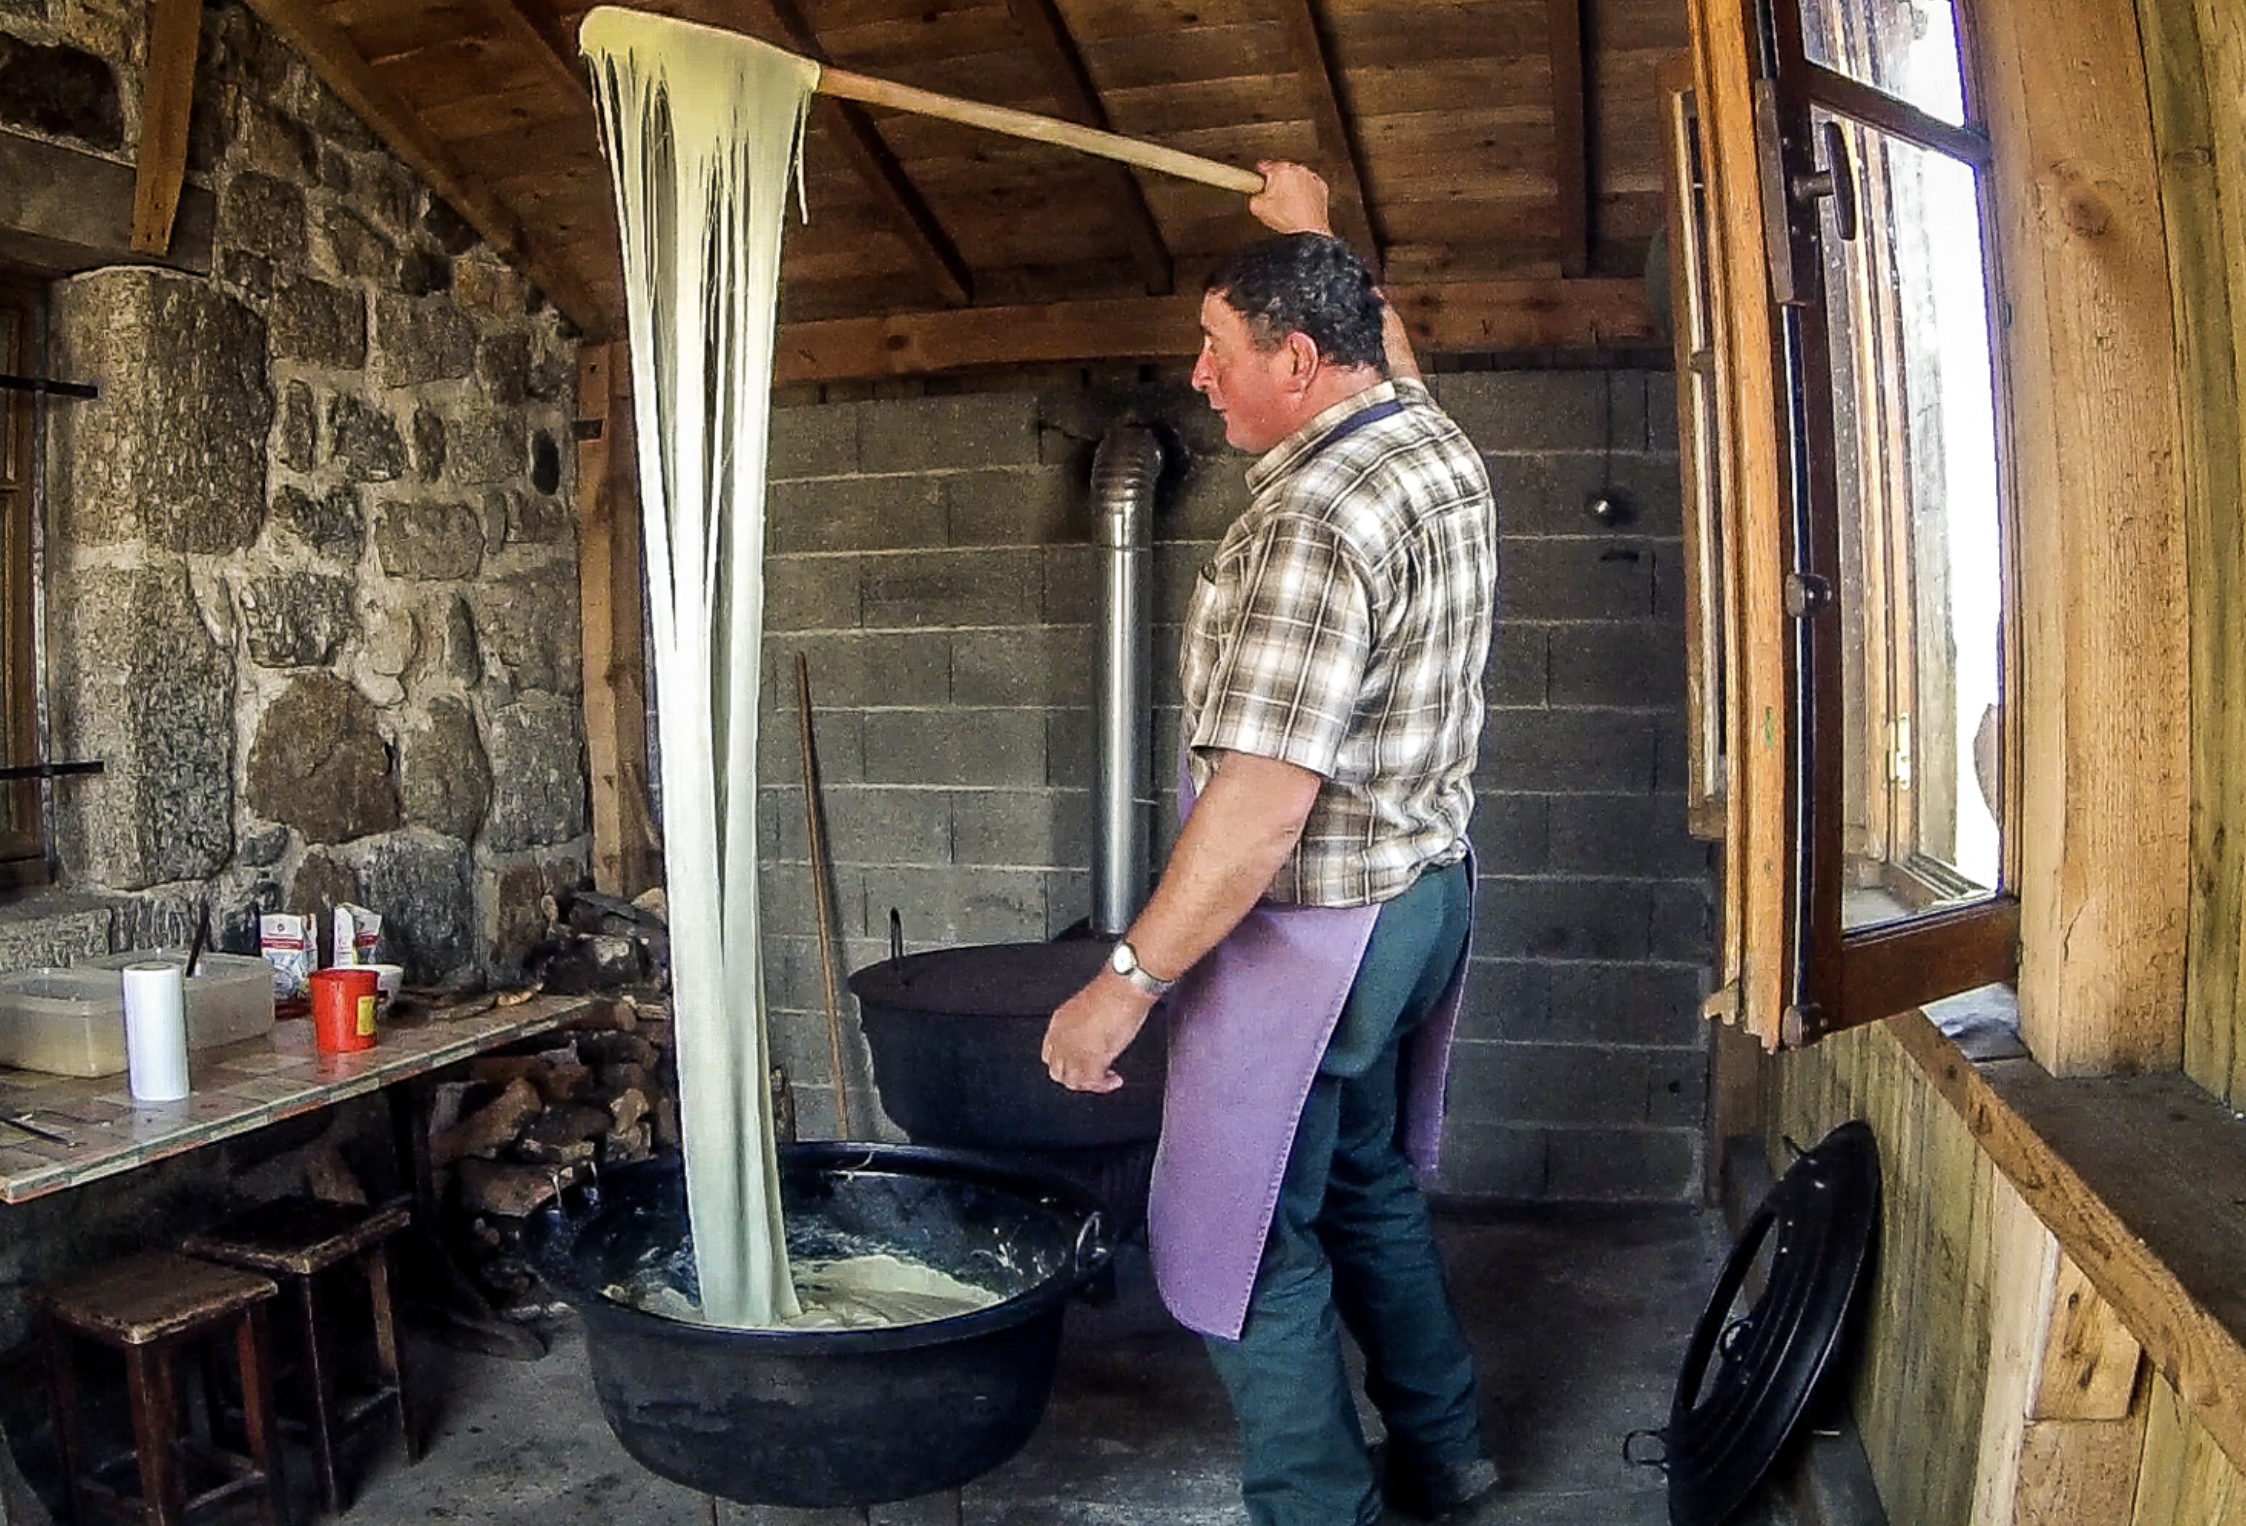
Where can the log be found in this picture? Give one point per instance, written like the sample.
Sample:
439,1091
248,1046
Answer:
629,1107
490,1127
615,1049
505,1190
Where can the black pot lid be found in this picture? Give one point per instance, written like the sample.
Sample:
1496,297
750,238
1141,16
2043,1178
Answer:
1750,1381
983,980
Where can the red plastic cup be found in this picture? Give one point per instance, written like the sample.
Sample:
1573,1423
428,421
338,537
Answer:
343,1003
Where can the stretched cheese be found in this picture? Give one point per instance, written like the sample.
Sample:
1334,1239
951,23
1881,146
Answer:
703,132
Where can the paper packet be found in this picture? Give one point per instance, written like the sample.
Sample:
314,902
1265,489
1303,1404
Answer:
292,948
358,933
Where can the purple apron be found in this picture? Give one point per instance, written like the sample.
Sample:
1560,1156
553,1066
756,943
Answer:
1248,1026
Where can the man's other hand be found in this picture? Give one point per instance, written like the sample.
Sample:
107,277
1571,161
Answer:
1090,1029
1293,199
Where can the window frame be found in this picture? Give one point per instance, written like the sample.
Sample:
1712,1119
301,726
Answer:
1796,975
24,856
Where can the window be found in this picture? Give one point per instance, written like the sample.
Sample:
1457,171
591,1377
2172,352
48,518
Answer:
1856,456
22,838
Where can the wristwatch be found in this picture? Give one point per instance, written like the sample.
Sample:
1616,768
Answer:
1125,962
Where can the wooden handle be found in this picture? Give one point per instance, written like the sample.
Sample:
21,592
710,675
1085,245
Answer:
1024,124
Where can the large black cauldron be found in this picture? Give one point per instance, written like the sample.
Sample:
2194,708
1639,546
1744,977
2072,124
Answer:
819,1418
955,1035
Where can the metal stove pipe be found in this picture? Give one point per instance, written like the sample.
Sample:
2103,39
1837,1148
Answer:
1125,470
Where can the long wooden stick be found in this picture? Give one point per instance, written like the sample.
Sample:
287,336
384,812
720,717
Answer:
1024,124
821,892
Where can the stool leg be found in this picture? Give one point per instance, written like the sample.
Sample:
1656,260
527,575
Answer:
378,1267
62,1404
150,1378
263,1432
214,1398
322,1384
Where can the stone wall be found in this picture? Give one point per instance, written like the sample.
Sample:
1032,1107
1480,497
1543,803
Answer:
931,557
311,560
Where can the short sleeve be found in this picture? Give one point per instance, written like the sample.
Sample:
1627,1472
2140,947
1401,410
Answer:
1288,673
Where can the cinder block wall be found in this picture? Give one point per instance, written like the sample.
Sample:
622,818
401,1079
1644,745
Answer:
931,557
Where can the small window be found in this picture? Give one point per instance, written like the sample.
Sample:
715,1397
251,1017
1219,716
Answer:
23,848
1860,511
1907,49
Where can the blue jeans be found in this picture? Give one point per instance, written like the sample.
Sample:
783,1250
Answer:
1352,1244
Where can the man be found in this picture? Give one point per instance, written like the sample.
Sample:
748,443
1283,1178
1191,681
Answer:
1315,910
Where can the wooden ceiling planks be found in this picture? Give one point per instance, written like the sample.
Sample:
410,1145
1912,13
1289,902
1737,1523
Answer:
1341,157
330,52
853,132
1041,22
1444,111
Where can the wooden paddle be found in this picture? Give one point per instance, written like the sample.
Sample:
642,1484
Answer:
1025,124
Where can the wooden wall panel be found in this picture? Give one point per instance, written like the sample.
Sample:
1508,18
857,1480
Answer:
1918,1389
2104,822
2195,63
2185,1477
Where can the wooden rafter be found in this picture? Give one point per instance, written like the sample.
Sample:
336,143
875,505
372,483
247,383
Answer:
853,131
523,28
175,36
1571,144
1337,136
1080,101
332,56
1459,318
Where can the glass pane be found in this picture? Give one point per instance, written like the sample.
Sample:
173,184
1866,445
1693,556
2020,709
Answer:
1921,571
1908,48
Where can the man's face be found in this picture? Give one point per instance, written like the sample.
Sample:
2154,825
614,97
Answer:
1251,389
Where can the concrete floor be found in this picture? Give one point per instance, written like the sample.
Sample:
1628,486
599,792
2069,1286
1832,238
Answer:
1579,1320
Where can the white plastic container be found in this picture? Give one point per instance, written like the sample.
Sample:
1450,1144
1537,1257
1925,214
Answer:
71,1022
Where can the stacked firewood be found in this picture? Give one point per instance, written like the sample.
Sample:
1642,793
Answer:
598,942
601,1091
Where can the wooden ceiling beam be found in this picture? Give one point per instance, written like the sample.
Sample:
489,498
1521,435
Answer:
1459,318
331,55
558,64
167,100
861,142
1080,101
1571,152
1337,135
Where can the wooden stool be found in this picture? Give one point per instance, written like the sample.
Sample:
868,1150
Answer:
146,1308
294,1240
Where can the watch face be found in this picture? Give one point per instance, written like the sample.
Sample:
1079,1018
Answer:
1120,959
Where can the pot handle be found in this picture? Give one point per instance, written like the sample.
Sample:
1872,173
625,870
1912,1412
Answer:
1094,1252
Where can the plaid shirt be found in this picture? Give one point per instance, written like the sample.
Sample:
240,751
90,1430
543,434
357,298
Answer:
1341,627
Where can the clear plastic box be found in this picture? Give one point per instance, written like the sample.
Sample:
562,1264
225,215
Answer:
71,1022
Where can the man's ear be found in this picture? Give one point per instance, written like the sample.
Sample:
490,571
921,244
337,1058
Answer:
1303,360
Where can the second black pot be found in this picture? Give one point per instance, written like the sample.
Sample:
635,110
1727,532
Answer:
956,1034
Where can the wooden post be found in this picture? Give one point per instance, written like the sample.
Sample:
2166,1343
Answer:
2192,61
2104,779
625,857
167,98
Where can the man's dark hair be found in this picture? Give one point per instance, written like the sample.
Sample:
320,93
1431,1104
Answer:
1305,283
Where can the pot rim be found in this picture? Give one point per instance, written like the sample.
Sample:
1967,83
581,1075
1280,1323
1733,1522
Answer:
552,1232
